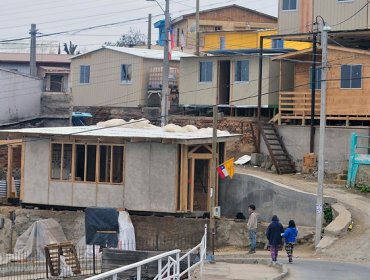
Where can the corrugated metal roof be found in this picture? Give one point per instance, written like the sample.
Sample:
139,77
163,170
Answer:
116,132
25,57
144,53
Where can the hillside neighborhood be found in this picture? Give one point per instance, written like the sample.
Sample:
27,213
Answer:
198,140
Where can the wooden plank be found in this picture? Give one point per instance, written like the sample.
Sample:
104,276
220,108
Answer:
97,172
180,206
23,155
192,185
200,156
10,171
185,178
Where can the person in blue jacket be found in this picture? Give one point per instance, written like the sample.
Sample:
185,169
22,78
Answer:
290,235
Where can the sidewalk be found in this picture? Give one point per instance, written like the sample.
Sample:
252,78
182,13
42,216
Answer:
230,271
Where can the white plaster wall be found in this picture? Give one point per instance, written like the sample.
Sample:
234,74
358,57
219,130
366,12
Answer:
60,193
84,194
36,171
20,96
150,177
110,196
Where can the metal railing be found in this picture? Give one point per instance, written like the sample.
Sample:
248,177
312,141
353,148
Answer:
171,270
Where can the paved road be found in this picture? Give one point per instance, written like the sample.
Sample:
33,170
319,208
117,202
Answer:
320,270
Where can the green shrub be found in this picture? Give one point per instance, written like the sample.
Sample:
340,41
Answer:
363,188
328,213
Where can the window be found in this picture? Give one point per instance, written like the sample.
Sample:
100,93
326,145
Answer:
318,78
351,76
222,43
126,73
277,44
84,74
205,71
242,71
289,5
110,163
61,161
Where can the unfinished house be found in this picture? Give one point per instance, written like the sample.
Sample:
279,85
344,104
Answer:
230,78
348,89
140,169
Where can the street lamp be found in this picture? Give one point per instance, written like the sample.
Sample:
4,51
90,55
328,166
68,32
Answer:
166,63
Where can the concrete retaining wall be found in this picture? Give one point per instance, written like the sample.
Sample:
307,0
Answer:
337,144
270,198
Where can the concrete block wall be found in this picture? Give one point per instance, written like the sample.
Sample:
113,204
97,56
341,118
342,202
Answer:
270,198
337,144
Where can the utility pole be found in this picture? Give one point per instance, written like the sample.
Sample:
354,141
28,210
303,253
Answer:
33,68
259,101
149,31
213,177
321,168
166,67
197,39
313,92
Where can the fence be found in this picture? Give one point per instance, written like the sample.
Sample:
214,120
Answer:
170,270
26,266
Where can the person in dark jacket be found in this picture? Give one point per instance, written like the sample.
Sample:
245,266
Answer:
273,234
290,235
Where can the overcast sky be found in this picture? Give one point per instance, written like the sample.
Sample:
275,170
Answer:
56,16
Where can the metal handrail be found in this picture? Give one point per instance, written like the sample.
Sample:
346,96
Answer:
116,271
165,271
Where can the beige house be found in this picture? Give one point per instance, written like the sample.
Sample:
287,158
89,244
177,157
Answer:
297,16
226,18
231,79
115,76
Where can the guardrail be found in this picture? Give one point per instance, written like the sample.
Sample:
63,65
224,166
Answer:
171,270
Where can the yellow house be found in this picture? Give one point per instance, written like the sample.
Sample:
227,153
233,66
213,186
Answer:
247,39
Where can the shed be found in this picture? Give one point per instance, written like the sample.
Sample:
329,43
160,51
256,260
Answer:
140,169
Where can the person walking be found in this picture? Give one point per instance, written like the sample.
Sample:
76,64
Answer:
273,234
252,228
290,235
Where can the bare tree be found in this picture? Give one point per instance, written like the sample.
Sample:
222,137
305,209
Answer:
71,49
133,38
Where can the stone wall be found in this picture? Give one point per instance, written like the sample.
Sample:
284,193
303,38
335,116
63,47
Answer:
231,124
152,232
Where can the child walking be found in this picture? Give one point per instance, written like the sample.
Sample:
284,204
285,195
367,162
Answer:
290,235
274,233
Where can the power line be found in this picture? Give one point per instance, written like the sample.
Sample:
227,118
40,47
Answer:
352,16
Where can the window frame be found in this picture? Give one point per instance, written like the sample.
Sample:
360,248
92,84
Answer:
200,72
318,73
351,78
126,82
61,162
277,41
289,9
235,71
83,180
84,82
222,42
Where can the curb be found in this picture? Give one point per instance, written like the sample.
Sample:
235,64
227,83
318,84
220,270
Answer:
279,266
